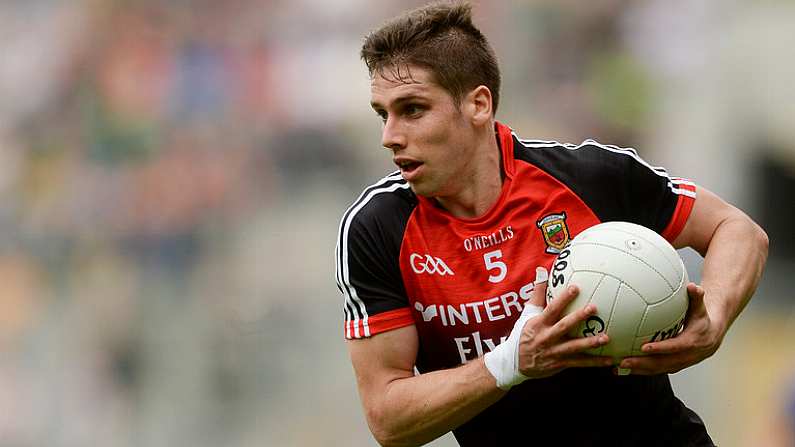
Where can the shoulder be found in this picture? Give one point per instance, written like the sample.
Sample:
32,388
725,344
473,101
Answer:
380,206
589,153
589,162
614,182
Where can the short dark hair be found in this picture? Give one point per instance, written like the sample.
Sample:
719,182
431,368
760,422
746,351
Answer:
439,37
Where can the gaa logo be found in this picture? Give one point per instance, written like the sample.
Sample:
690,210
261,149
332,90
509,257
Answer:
429,264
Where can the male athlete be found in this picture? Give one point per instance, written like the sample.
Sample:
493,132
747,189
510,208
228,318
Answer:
439,263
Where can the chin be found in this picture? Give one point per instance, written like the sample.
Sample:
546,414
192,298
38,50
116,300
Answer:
422,190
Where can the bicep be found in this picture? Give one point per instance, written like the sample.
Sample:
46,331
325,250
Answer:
383,358
709,211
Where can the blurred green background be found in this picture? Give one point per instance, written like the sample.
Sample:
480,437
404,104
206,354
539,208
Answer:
172,174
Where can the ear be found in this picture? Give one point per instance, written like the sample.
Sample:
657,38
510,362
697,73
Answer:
479,104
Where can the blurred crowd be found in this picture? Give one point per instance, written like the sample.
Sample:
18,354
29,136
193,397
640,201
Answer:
172,174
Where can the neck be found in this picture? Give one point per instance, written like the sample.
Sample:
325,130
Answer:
483,182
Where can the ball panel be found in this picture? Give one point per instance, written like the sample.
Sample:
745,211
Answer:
665,319
600,290
632,269
588,283
560,273
640,241
672,270
661,316
622,328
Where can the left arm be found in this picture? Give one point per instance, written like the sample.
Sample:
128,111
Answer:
734,250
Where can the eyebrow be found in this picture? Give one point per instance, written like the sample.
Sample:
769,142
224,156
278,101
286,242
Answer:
399,101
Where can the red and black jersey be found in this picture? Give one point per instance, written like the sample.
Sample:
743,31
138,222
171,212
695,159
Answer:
402,260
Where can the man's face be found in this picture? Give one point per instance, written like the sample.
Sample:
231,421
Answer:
430,138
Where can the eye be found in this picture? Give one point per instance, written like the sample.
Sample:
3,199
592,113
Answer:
413,110
382,115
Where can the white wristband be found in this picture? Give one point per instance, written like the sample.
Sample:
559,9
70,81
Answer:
503,361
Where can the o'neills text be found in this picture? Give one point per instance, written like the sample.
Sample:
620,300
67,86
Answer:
482,241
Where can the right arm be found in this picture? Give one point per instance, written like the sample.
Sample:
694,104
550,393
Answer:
403,409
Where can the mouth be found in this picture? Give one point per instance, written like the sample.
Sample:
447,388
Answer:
408,166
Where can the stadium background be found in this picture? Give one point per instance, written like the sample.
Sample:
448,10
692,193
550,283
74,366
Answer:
172,175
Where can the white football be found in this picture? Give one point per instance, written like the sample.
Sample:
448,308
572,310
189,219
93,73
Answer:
635,278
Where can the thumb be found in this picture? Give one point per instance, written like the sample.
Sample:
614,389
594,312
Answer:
696,307
696,295
538,296
537,301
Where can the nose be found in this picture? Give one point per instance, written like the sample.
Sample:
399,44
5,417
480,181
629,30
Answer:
393,137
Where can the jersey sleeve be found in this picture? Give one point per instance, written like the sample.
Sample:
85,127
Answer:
638,192
368,271
618,185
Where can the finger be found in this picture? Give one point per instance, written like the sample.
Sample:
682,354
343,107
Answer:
572,320
651,365
669,346
685,341
556,306
578,345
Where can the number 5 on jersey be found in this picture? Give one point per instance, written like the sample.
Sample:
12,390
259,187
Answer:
493,263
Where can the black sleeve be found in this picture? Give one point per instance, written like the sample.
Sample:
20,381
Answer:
368,251
614,182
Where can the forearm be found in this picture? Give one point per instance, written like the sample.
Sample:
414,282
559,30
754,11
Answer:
733,265
415,410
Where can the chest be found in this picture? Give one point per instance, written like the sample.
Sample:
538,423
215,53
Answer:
467,282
